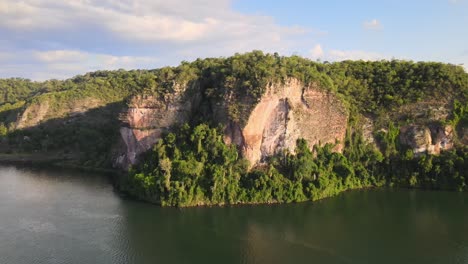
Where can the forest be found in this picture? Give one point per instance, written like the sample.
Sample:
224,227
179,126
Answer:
191,164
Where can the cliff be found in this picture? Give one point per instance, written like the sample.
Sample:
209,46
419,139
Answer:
147,117
284,113
427,139
51,108
251,128
426,132
263,102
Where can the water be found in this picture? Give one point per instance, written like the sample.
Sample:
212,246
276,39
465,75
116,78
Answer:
63,217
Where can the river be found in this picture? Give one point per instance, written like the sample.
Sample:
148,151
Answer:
53,216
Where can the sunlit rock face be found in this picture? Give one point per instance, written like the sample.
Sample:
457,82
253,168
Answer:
147,118
427,139
283,114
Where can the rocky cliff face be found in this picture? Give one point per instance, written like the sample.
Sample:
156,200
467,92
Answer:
464,135
147,117
431,139
284,113
32,115
426,134
38,112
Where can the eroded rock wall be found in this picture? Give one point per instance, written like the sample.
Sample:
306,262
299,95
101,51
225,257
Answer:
285,113
33,115
464,135
148,117
46,109
430,139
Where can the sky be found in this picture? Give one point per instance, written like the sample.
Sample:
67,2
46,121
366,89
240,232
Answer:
58,39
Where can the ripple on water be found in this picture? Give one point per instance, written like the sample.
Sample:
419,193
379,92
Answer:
84,214
36,226
77,220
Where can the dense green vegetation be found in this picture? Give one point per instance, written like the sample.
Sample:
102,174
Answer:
85,139
376,89
193,166
449,171
367,87
383,85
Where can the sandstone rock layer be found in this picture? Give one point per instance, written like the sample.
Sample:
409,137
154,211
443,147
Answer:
146,119
285,113
427,139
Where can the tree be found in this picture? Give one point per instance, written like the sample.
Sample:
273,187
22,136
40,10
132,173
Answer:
3,130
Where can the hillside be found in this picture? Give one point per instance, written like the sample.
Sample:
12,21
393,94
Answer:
251,128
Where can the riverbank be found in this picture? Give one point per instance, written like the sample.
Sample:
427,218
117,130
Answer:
50,161
57,161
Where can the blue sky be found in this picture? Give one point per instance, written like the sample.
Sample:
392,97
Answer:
43,39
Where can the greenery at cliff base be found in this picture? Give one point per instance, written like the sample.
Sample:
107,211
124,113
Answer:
193,166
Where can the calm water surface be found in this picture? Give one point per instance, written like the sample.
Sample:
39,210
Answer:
63,217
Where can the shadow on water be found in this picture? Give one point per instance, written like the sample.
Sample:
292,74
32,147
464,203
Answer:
383,226
80,138
64,217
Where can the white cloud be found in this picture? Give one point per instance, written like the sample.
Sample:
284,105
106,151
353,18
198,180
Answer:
61,64
170,30
317,52
81,57
373,24
340,55
144,20
5,56
24,15
54,56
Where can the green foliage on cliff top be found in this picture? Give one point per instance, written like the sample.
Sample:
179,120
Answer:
367,86
383,85
238,82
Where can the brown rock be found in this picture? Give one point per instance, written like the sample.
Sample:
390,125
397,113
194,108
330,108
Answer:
284,114
427,139
147,118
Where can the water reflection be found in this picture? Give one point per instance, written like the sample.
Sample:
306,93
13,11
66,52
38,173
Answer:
63,217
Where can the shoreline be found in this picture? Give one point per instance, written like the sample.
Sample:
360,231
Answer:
52,161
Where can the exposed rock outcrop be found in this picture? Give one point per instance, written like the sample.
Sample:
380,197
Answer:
436,110
37,112
464,135
33,115
431,139
285,113
368,130
81,106
147,117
